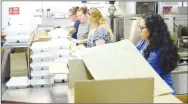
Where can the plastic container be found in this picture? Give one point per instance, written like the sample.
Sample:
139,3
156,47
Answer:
41,57
18,30
40,66
62,53
18,82
37,83
41,47
61,43
17,39
58,33
43,74
58,78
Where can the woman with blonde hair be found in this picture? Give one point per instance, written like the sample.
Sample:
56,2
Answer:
100,32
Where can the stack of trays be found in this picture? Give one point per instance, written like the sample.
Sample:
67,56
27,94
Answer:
18,33
45,53
41,57
61,56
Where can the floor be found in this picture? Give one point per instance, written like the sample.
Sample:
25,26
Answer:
55,94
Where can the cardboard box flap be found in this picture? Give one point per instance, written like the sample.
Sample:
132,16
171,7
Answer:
122,60
167,99
77,71
136,90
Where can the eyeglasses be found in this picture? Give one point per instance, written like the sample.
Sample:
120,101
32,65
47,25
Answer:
72,14
141,28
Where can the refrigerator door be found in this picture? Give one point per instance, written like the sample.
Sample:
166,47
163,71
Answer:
131,28
118,28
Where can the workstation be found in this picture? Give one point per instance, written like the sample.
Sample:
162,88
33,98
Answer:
94,51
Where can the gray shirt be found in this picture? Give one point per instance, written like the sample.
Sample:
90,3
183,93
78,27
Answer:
83,31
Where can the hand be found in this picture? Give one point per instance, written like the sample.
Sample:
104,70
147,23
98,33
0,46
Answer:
75,41
83,41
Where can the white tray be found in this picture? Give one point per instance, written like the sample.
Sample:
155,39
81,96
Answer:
18,29
61,43
40,66
62,53
41,47
43,74
41,57
58,33
41,83
18,82
58,78
17,39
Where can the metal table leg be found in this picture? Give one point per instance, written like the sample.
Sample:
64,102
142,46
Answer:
5,64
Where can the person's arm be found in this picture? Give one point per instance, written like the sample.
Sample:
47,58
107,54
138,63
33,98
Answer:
71,30
74,29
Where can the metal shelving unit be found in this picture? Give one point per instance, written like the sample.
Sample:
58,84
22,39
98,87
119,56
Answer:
9,46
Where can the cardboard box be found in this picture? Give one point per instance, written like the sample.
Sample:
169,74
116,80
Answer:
120,60
113,91
40,37
166,99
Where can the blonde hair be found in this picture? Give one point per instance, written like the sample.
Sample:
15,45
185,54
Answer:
97,20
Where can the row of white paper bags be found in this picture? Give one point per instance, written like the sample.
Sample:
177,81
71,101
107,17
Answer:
51,46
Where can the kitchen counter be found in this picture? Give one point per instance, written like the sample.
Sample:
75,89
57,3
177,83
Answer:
55,94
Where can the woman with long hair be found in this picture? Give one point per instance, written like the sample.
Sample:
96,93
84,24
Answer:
157,46
100,32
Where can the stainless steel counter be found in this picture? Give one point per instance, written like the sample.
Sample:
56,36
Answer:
55,94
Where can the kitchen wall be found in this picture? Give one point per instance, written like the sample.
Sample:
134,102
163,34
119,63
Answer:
28,8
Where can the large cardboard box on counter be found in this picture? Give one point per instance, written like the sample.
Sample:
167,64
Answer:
113,66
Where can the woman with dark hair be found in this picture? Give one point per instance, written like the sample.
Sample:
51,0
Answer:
157,46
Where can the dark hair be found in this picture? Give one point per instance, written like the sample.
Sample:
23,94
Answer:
83,9
73,10
160,39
